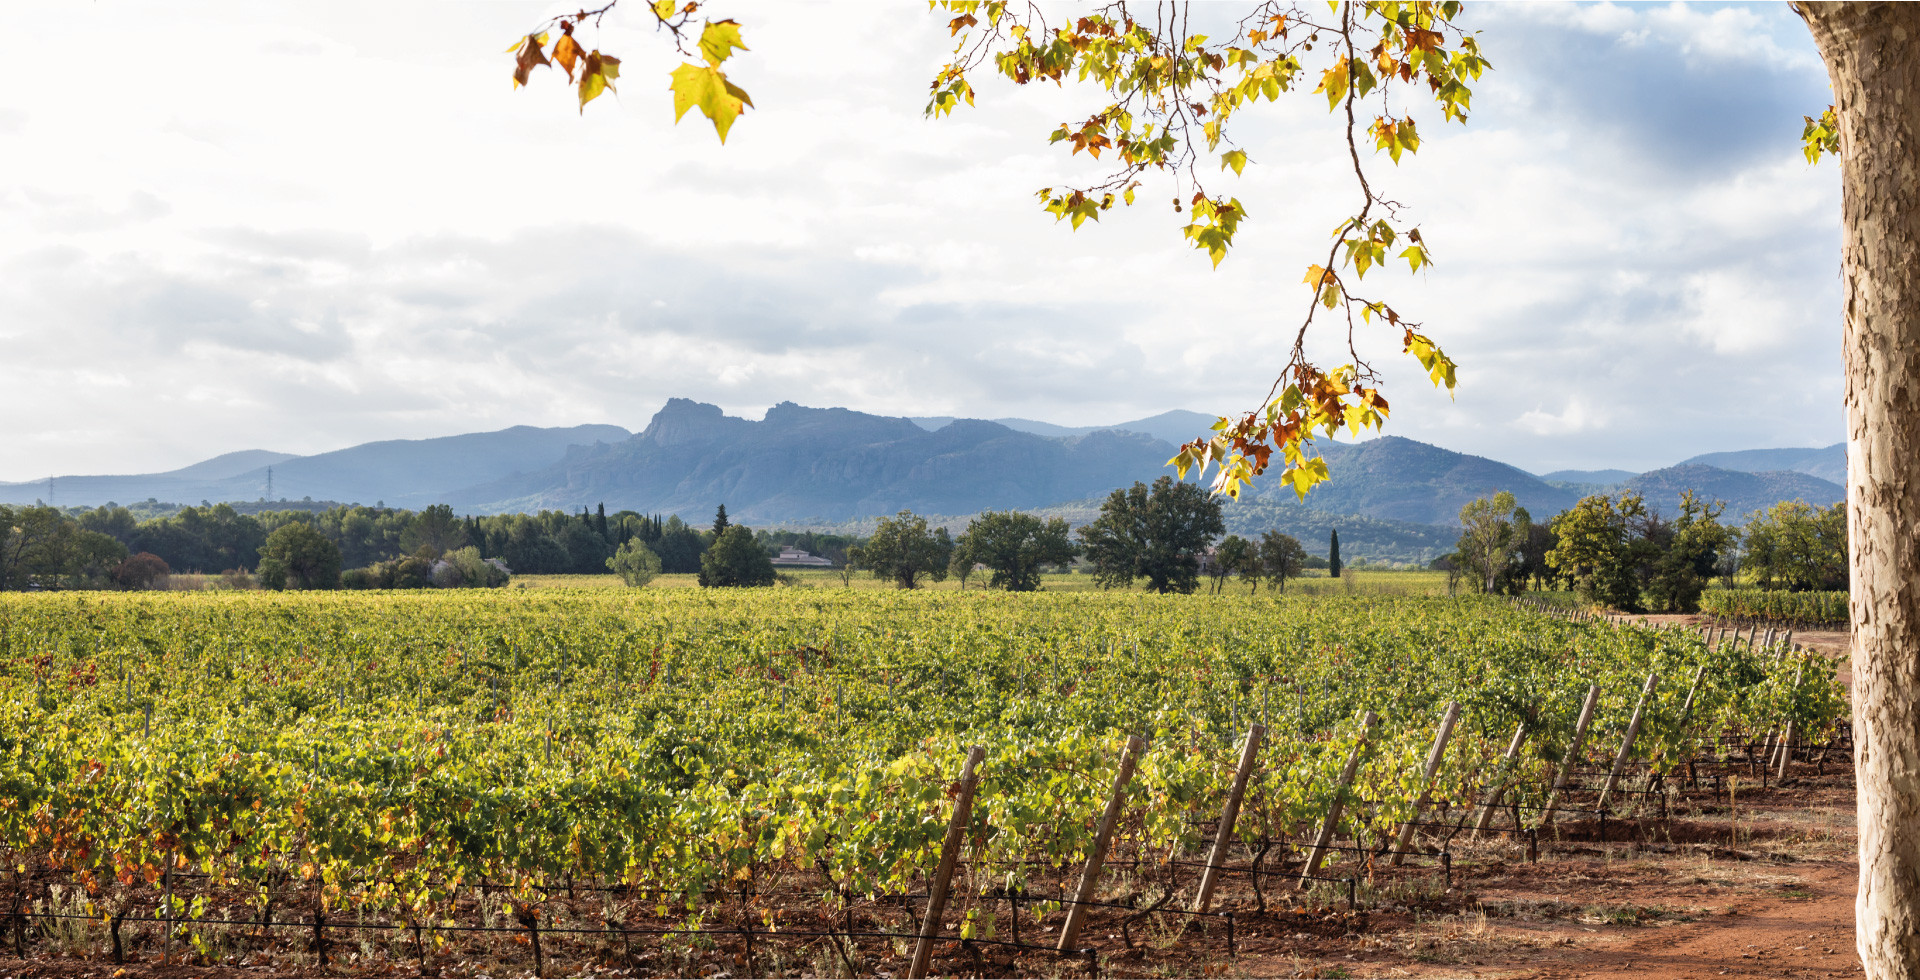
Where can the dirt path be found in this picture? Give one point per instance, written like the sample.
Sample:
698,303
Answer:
1694,903
1803,931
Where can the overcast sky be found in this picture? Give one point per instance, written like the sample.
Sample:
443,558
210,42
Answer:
304,226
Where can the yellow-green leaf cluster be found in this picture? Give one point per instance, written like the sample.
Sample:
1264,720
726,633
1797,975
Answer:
1821,136
705,87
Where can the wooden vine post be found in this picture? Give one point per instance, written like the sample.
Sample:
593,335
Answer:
1626,744
1693,691
1090,876
1223,837
1573,751
1792,731
949,856
1319,852
1434,757
1503,779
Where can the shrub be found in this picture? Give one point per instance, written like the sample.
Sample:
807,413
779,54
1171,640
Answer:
635,563
142,571
465,569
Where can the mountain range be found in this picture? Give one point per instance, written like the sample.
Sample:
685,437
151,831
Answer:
1391,497
400,472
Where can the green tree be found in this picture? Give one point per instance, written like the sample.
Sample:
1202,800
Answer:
1490,533
1235,555
368,535
111,520
1281,558
41,548
635,563
296,556
960,566
1795,546
76,558
1157,534
720,522
529,550
587,551
1594,550
1333,554
1014,545
208,539
435,530
736,560
23,533
904,550
679,547
1688,556
1532,568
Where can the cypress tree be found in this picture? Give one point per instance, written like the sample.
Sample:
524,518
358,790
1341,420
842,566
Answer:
600,521
720,522
1333,555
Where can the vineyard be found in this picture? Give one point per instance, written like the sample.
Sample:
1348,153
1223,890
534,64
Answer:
847,782
1802,609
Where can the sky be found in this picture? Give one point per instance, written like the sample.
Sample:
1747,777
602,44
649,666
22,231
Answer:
301,227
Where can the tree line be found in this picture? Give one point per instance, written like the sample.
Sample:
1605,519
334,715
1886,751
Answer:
1167,535
1618,551
354,546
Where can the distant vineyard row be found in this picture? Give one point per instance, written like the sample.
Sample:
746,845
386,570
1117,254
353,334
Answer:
1802,609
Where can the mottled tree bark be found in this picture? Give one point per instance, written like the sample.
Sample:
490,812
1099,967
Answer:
1870,51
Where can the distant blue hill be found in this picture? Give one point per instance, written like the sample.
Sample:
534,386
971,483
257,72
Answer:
1743,493
1173,427
1391,497
229,465
1605,478
1395,478
825,465
401,472
1829,463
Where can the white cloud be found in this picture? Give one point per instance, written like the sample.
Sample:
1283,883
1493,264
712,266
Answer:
1576,417
335,232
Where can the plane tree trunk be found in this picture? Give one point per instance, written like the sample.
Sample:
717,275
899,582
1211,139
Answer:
1869,51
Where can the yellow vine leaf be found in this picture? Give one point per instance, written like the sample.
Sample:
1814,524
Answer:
718,39
706,88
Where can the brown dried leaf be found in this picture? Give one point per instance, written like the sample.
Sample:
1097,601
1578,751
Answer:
567,51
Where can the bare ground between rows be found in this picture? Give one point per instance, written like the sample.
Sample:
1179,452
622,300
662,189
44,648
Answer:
1685,898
